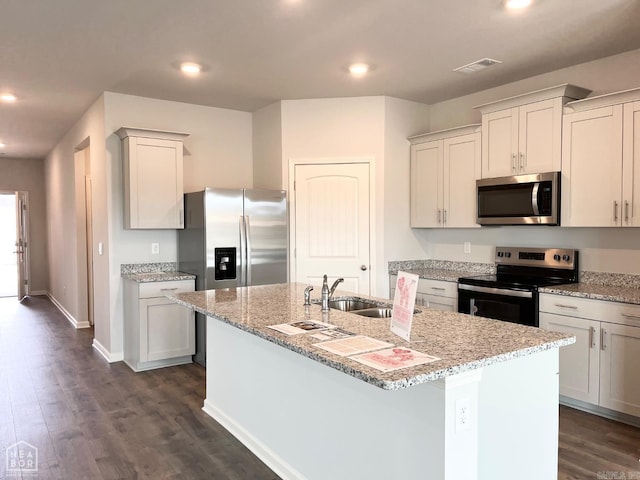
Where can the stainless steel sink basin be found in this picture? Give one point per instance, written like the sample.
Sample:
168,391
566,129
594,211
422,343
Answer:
351,304
379,312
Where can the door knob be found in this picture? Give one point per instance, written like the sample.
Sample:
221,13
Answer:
363,267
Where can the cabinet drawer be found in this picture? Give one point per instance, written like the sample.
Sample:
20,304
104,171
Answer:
613,312
160,289
438,287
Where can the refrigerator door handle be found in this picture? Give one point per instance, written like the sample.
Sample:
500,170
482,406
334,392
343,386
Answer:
247,233
242,253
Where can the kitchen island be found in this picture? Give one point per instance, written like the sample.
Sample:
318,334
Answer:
487,408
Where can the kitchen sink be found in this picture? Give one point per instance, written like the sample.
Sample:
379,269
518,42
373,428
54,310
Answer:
362,307
379,312
351,304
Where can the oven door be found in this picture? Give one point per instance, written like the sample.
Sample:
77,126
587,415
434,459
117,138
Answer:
509,305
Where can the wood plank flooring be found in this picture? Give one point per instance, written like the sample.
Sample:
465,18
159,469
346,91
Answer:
94,420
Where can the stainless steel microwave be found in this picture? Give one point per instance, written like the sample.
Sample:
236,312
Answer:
519,200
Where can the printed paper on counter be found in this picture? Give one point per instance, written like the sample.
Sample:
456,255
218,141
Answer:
303,326
353,345
333,334
404,302
394,359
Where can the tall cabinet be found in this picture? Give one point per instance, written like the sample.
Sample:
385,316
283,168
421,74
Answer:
444,169
153,179
601,160
523,134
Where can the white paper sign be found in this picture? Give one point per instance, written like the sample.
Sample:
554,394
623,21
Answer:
404,302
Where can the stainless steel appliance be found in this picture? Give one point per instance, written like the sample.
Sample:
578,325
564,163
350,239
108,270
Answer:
519,200
232,238
512,293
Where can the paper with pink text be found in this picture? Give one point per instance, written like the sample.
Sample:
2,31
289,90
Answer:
403,304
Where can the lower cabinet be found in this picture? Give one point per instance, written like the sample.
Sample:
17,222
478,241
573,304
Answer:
157,332
437,294
601,367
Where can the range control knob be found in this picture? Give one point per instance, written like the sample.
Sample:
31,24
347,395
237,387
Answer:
501,254
507,254
556,257
566,258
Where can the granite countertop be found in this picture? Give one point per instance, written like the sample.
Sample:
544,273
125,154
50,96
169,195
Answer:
445,270
611,293
146,277
461,342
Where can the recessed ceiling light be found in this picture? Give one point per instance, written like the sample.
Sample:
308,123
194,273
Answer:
358,69
2,145
8,97
190,68
517,4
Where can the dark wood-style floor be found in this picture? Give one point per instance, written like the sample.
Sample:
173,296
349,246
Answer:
94,420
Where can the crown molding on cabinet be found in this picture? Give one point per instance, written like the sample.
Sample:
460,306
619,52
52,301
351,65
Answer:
448,133
566,90
125,132
606,100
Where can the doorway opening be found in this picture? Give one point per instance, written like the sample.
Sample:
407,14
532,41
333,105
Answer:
8,238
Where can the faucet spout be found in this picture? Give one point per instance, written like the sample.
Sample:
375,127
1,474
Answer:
333,287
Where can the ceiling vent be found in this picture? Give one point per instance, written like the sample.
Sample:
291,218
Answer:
476,66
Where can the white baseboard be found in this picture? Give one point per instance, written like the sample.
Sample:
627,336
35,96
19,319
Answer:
276,463
36,293
72,320
108,356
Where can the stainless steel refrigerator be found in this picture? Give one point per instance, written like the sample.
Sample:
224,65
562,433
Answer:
232,238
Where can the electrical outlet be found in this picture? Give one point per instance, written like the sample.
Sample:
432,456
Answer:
155,248
467,247
463,415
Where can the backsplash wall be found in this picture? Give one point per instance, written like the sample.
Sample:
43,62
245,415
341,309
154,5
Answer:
601,249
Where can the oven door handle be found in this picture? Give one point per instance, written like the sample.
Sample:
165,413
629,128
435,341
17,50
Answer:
496,291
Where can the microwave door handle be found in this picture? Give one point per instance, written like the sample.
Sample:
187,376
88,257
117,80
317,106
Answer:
534,199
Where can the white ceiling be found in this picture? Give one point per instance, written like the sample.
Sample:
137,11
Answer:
58,56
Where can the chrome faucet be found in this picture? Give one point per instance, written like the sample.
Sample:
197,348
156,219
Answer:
333,287
307,295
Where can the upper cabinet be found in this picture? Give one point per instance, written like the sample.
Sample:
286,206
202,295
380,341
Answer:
444,169
153,179
523,134
601,158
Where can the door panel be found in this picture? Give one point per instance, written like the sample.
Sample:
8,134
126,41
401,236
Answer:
426,188
22,229
539,138
631,165
332,224
461,169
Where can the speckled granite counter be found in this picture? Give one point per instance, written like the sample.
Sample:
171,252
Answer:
444,270
597,292
462,342
158,276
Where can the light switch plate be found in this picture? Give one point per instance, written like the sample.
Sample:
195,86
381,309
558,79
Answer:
155,248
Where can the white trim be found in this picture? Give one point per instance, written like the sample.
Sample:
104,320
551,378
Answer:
276,463
369,160
108,356
442,134
35,293
565,91
606,100
76,324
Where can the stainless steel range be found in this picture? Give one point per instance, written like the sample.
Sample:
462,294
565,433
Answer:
512,293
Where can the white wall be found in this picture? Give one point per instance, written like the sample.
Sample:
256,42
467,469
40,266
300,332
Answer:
28,175
602,249
267,147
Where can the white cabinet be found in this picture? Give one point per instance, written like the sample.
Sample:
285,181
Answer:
601,367
601,158
157,331
153,178
523,134
436,294
444,169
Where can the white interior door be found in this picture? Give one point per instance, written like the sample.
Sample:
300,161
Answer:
22,243
8,245
332,224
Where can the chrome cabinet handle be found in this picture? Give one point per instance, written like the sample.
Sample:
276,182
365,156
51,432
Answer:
615,211
168,289
514,163
440,289
603,340
631,315
561,305
626,211
592,332
439,216
523,163
444,217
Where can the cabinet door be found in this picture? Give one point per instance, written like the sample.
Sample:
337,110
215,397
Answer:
620,357
499,143
167,330
631,166
592,168
461,157
540,137
154,176
426,184
579,363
